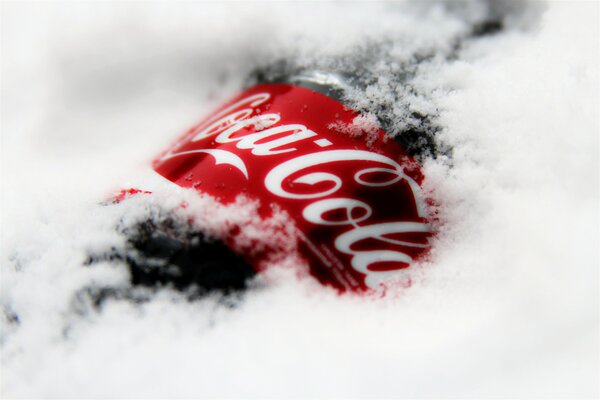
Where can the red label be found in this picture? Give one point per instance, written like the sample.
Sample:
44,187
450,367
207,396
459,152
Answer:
358,209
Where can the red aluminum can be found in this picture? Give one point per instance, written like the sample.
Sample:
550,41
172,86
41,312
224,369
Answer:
355,203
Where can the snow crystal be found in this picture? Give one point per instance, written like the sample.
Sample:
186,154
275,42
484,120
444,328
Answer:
363,125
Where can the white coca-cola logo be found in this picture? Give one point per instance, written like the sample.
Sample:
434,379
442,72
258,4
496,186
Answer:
225,127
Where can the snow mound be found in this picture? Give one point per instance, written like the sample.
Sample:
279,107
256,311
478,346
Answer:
504,96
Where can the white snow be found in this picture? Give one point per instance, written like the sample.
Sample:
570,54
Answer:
507,306
363,125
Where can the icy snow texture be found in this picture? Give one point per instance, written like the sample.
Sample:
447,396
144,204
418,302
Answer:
508,305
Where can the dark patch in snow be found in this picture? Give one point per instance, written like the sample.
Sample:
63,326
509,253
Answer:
490,27
161,252
166,254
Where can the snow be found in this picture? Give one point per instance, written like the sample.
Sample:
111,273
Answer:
364,125
508,304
